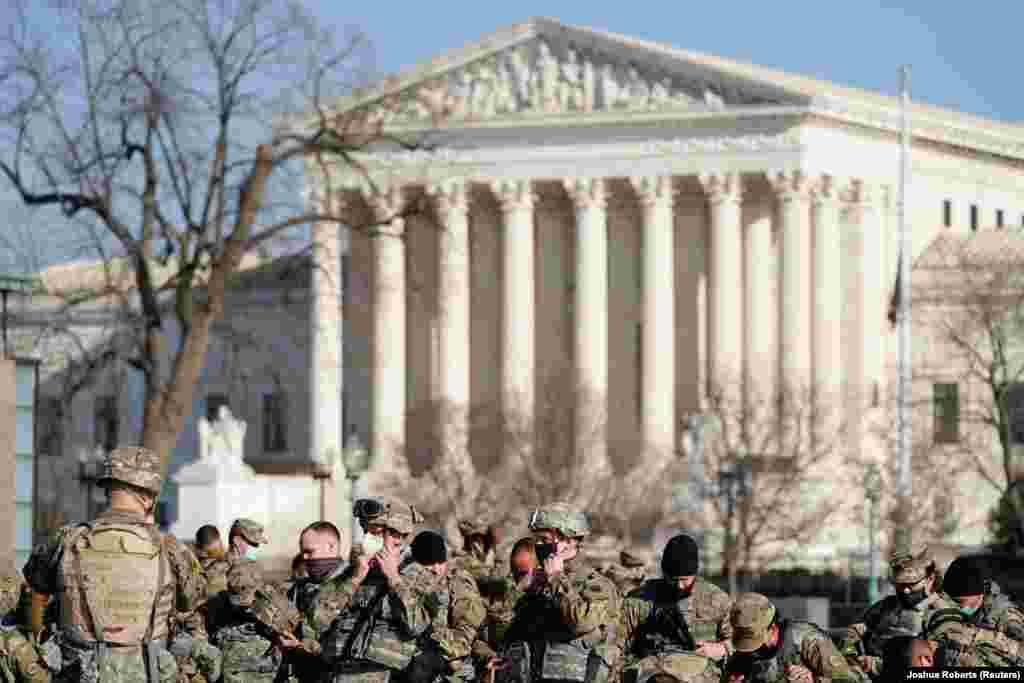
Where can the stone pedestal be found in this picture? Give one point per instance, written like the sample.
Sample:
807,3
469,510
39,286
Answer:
219,488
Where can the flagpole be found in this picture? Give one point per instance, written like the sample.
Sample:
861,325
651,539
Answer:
904,479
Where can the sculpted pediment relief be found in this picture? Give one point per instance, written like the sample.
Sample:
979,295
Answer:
544,76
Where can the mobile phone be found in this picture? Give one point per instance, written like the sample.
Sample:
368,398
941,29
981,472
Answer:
544,551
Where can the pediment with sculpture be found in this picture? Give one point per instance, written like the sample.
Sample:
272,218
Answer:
545,76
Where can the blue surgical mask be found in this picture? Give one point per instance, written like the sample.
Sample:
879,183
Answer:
968,611
250,553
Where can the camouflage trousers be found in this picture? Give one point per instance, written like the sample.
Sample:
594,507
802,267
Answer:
684,667
363,672
120,665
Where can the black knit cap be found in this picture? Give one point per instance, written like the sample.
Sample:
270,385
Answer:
680,557
429,548
965,576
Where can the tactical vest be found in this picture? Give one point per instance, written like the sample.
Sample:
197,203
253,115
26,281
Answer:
117,586
892,619
791,635
246,651
429,663
675,626
370,629
992,612
559,657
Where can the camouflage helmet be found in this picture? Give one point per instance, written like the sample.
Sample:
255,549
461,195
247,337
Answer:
751,617
473,527
250,530
910,565
561,517
387,512
10,592
135,466
631,560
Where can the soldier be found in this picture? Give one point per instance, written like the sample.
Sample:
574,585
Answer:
20,659
968,584
630,573
563,624
479,541
913,575
244,540
369,617
117,580
677,626
769,649
456,610
957,643
500,598
208,545
259,616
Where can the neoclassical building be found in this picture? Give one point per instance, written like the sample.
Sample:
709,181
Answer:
643,222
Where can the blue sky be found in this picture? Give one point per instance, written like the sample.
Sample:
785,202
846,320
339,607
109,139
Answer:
962,55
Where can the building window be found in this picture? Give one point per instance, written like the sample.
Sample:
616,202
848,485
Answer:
274,428
105,422
974,217
1014,399
947,213
213,404
946,405
999,218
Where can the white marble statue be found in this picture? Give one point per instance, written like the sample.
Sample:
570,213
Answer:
222,442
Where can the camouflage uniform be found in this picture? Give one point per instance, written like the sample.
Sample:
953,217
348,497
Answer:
257,615
628,574
456,614
369,631
889,617
958,643
479,543
118,580
303,663
564,629
800,644
662,630
20,659
217,610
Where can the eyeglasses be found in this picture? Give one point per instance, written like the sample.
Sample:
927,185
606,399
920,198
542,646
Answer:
368,507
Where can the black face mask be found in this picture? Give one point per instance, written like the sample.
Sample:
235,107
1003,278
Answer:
544,551
912,598
321,568
764,652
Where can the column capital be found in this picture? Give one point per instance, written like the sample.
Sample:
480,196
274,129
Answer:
653,190
586,192
790,184
450,195
722,187
387,203
826,189
513,194
866,193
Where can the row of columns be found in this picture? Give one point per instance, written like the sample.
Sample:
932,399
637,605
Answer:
810,298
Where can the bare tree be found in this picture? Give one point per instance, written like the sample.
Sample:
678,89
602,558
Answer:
970,299
773,473
622,496
156,129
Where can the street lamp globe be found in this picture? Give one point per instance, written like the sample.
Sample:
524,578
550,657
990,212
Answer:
356,458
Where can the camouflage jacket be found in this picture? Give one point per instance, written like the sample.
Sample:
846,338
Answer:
349,619
457,612
800,644
475,565
888,618
999,613
965,645
626,579
20,659
577,605
500,605
655,619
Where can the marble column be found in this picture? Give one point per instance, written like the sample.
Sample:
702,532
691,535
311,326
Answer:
389,362
516,199
795,336
724,195
761,315
327,431
591,304
453,359
875,286
658,352
828,298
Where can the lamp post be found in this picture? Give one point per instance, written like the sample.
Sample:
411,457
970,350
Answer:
356,460
734,482
873,493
